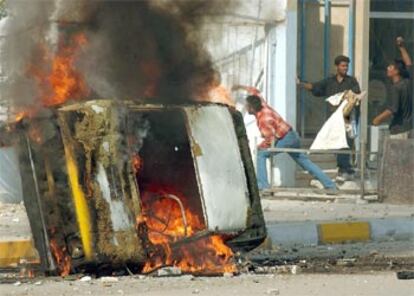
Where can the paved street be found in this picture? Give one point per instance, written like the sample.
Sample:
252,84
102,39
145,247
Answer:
364,284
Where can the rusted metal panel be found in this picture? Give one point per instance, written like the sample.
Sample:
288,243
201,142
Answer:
396,176
219,167
95,134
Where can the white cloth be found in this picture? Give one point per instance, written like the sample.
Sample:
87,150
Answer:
10,181
335,100
333,133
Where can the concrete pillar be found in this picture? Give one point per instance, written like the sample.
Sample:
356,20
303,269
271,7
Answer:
281,82
362,42
362,73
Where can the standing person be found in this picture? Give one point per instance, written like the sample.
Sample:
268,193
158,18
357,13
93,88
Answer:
339,82
278,133
399,104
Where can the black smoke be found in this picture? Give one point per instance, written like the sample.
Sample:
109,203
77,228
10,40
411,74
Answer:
144,50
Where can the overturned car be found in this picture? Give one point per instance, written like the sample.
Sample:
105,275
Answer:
122,183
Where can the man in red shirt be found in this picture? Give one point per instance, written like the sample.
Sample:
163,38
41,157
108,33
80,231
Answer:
278,133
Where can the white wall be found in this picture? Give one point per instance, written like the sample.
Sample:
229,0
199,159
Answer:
275,55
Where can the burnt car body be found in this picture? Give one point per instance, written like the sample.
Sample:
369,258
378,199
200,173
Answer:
83,193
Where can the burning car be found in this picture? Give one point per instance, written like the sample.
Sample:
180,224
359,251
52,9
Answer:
144,185
124,158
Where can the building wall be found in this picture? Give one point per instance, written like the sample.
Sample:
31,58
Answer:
273,59
230,43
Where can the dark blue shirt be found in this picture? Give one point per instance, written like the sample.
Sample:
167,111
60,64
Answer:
329,86
400,103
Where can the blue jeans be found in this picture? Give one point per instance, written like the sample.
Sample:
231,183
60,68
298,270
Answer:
290,140
344,160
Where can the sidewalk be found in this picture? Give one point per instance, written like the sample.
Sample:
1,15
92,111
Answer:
290,224
16,244
299,223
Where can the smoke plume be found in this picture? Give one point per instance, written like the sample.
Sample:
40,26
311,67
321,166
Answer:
146,49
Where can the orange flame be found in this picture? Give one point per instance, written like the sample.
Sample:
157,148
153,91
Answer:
62,82
136,163
167,231
220,94
63,260
19,116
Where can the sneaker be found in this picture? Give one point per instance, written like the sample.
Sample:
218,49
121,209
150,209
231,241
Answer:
340,178
343,177
316,184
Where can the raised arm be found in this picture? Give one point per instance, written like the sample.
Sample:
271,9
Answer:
404,53
250,89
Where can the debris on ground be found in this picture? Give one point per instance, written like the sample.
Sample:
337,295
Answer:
168,271
405,275
86,278
272,292
109,279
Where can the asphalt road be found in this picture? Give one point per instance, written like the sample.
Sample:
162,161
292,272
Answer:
364,284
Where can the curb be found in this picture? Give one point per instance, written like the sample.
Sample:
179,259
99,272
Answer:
306,233
16,252
311,233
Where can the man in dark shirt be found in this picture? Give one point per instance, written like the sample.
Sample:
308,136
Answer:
400,102
329,86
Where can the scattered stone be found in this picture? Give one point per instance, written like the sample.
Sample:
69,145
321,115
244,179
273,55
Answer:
16,220
109,279
295,269
228,274
405,275
169,271
272,292
283,269
196,291
17,283
86,279
121,292
346,262
38,283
